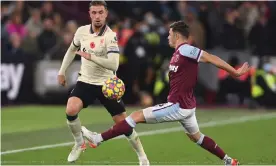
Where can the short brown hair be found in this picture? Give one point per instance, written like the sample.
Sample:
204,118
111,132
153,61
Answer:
98,3
180,27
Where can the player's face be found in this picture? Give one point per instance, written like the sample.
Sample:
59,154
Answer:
171,38
98,15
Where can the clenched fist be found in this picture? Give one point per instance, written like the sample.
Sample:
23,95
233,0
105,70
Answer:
61,80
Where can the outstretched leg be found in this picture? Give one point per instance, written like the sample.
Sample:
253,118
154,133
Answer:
155,114
121,128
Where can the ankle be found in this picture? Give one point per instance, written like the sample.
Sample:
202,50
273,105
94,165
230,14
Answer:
143,157
99,138
79,140
226,157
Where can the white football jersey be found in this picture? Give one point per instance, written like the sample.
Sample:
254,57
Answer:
100,45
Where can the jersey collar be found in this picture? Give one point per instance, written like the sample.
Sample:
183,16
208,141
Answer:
102,31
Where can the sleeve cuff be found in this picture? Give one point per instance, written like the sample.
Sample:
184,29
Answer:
199,55
75,44
113,52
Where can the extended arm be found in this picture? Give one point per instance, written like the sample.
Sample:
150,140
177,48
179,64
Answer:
209,58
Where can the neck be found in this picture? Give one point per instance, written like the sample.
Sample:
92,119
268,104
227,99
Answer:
179,42
95,29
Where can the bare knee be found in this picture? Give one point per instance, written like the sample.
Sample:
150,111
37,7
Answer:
138,116
74,105
195,137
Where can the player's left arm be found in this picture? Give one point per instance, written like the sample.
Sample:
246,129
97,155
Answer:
113,54
218,62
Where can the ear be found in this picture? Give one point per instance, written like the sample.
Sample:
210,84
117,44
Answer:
176,36
89,13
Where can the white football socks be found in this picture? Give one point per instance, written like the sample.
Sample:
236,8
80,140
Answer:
137,145
75,127
135,141
130,121
98,138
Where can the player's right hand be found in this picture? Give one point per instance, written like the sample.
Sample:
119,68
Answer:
84,55
242,70
61,80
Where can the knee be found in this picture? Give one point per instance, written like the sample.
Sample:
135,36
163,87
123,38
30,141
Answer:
138,116
193,139
196,138
73,107
120,117
72,110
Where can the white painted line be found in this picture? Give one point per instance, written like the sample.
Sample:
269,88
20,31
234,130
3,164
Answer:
161,131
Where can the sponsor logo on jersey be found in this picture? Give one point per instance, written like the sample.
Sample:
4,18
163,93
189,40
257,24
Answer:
173,68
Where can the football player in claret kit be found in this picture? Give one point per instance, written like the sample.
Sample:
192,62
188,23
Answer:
97,44
181,103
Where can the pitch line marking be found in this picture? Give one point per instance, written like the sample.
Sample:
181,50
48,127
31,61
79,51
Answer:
160,131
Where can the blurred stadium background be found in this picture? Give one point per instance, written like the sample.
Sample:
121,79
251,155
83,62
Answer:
239,113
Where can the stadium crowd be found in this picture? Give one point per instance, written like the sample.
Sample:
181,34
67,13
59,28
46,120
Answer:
44,30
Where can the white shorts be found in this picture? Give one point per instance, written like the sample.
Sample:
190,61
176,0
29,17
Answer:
169,112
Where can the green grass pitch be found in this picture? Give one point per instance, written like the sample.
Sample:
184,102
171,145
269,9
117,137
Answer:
246,135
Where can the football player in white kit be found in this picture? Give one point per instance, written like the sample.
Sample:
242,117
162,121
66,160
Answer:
97,44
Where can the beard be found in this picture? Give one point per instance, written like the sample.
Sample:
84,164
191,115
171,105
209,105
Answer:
98,24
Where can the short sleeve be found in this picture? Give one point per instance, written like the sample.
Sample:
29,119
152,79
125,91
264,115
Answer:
112,43
190,52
